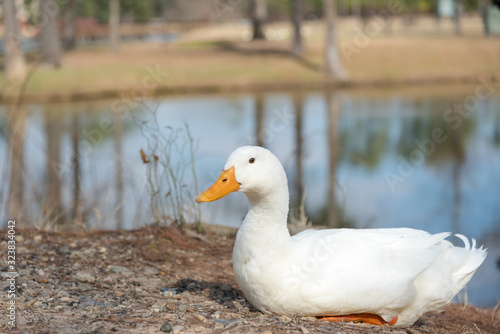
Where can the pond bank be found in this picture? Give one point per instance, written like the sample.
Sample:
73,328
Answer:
225,65
137,281
257,87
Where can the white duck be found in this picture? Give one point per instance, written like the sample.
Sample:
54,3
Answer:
378,276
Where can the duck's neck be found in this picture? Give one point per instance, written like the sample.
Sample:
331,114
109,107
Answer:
267,215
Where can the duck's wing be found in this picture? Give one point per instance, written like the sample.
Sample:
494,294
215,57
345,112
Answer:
368,271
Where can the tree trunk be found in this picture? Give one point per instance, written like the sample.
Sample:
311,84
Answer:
259,13
50,42
297,47
69,29
356,9
456,18
14,66
483,11
114,24
333,65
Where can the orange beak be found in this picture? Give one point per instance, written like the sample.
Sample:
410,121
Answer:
224,185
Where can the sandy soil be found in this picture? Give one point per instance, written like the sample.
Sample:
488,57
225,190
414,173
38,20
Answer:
158,278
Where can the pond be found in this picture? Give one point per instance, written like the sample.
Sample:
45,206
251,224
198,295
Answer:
426,158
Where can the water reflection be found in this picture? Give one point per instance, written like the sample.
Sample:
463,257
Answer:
333,118
80,163
53,212
16,124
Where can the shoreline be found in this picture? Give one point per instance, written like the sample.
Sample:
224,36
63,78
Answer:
251,87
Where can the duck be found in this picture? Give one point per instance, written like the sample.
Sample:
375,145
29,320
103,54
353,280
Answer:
388,276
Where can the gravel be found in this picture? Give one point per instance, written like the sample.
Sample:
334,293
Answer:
160,280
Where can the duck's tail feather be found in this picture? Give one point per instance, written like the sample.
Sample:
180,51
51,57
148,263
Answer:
468,258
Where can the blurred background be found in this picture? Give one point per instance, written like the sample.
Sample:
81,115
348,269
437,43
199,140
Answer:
384,113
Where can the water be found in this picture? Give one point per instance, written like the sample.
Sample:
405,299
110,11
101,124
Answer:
379,158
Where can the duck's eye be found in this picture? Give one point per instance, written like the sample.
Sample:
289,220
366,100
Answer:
252,160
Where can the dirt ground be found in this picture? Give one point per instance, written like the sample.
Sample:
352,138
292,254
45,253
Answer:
154,280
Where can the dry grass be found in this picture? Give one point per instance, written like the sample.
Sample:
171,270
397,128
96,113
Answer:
217,57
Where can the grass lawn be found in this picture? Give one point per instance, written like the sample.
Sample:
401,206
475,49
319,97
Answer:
217,58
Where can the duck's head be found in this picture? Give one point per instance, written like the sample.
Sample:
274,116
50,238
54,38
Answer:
249,169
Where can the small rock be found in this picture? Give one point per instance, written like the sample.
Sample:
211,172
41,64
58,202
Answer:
284,318
156,308
103,250
42,280
304,330
225,287
86,302
62,293
66,299
59,307
119,294
168,294
171,306
85,277
166,327
182,308
177,328
174,291
200,317
76,255
19,238
411,331
238,306
83,287
136,283
221,321
151,271
120,270
10,275
37,238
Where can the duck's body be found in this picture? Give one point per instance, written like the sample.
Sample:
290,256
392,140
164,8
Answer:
390,273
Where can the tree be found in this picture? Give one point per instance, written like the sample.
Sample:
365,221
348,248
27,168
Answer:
14,66
69,29
51,44
297,47
458,10
333,65
114,23
259,13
